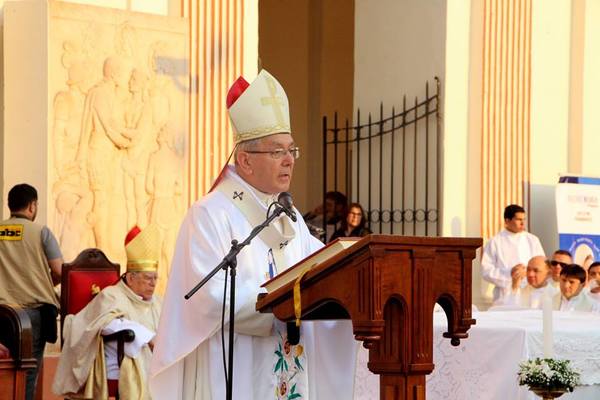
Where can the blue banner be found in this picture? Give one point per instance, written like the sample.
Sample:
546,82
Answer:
578,216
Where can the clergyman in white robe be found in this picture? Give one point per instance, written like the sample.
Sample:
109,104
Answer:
529,296
502,252
188,360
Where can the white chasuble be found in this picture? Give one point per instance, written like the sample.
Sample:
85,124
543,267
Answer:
188,354
76,372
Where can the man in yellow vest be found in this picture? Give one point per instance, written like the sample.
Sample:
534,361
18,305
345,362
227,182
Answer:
30,266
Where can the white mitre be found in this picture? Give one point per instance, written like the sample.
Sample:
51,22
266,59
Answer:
259,109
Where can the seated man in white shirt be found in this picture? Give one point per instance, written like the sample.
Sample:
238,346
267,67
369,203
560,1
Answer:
560,259
594,280
572,297
529,293
511,248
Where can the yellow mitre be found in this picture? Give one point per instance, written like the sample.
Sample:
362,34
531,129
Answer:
258,109
143,249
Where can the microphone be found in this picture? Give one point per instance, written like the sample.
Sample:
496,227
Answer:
285,201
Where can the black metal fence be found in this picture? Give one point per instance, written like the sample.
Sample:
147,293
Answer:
390,165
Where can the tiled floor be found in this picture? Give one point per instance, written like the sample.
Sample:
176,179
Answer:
45,383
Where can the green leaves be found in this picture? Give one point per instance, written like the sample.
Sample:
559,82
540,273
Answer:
293,394
548,373
286,370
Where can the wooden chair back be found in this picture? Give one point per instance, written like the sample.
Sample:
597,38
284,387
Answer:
83,278
16,335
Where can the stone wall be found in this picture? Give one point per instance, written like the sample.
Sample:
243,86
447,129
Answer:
115,121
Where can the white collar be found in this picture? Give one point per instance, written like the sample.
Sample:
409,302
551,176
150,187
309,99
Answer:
513,234
264,198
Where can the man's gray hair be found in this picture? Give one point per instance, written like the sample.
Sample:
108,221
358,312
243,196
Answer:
247,145
132,273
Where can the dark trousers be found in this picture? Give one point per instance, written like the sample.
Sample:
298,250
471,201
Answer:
38,350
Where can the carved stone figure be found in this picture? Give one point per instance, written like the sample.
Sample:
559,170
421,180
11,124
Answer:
164,184
140,129
68,108
102,138
73,205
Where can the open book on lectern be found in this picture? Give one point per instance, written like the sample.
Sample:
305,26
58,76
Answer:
316,258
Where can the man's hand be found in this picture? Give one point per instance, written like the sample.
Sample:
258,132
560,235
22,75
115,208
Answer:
56,269
517,273
122,142
4,352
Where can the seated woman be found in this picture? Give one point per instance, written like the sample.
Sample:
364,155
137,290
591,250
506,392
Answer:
354,223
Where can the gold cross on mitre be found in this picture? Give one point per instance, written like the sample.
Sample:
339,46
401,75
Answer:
274,101
258,109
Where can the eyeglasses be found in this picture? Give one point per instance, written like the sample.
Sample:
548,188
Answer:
554,263
149,278
278,153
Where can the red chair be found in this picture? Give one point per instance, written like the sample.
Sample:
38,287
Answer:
81,280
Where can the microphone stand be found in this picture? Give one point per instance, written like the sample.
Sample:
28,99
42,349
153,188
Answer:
230,261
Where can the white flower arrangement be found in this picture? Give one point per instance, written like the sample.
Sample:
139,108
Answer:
548,373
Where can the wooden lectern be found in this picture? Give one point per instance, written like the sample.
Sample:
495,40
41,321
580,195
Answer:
388,286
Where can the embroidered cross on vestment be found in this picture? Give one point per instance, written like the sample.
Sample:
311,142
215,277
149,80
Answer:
237,195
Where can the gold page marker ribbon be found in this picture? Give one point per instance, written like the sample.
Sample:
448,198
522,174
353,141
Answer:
297,298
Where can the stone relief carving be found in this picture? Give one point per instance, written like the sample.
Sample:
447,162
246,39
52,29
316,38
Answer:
140,129
118,144
164,184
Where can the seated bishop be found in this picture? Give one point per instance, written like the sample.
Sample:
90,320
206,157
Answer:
572,296
87,365
529,288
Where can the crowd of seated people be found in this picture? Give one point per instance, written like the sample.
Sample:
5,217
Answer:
515,263
337,218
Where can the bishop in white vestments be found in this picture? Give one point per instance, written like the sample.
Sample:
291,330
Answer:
87,366
188,353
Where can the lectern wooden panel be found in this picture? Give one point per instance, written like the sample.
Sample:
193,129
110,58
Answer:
388,285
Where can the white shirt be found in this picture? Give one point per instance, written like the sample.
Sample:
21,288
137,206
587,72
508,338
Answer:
581,302
502,253
528,297
132,349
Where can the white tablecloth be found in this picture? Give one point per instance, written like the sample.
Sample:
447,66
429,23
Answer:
484,366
